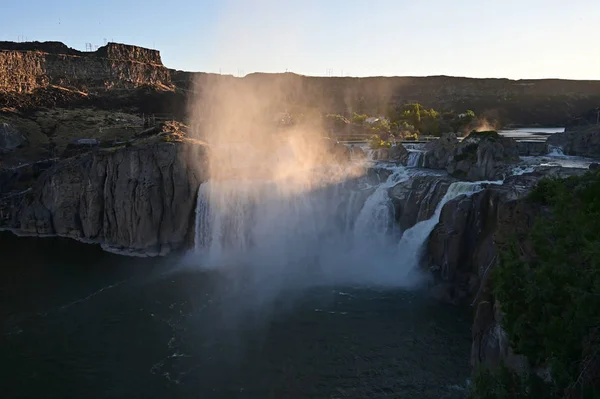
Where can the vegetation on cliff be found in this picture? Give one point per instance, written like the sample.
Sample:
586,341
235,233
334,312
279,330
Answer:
551,300
429,121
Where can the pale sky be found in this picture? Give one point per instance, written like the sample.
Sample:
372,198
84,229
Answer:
476,38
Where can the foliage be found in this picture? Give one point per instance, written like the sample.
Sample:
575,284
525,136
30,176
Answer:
359,119
375,142
337,121
503,383
461,121
552,302
429,121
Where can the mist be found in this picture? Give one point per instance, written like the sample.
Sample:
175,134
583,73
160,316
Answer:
286,208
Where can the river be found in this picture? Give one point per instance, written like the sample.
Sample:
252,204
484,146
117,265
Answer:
79,322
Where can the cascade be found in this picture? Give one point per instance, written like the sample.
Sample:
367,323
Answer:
414,159
555,151
344,232
412,242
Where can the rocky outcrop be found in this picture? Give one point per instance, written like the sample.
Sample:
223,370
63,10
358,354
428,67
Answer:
136,200
396,153
415,200
583,142
10,138
438,152
482,156
32,66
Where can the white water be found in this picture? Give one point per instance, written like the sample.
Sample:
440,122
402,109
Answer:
412,242
555,151
414,159
340,234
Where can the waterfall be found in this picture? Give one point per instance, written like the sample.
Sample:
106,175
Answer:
412,242
414,159
555,151
375,220
341,233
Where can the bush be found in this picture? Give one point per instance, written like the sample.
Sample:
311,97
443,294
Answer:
552,302
359,119
375,142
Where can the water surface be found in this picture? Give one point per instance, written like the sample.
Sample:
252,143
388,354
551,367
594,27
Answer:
81,323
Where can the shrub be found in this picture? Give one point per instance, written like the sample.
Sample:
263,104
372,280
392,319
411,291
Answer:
552,302
375,142
359,119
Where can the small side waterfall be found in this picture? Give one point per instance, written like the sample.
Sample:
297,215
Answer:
555,151
412,241
414,159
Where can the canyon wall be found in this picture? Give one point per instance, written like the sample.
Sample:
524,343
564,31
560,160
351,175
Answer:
136,200
547,102
25,67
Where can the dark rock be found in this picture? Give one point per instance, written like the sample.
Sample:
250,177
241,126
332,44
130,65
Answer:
397,154
532,148
437,152
415,200
10,138
462,252
594,166
137,200
482,156
583,142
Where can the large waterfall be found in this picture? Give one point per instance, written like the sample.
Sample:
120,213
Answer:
340,233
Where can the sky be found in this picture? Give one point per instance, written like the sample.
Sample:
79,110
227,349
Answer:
517,39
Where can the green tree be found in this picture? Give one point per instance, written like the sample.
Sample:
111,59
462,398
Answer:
552,302
359,119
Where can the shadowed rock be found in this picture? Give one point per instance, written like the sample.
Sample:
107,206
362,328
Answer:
139,200
583,142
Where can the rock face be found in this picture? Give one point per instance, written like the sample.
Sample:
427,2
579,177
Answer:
139,200
532,148
10,138
462,251
438,152
29,66
396,153
583,142
415,200
482,156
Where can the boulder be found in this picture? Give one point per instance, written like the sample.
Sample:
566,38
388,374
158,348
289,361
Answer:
396,153
594,166
482,156
584,142
10,138
437,152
